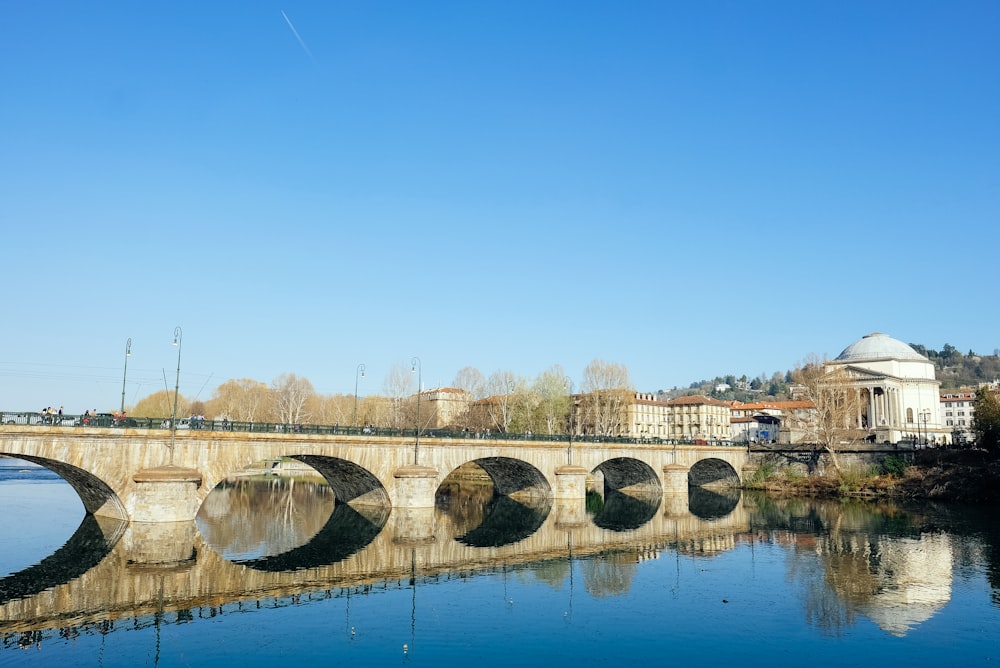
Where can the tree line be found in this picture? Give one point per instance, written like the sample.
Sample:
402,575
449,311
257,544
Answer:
501,402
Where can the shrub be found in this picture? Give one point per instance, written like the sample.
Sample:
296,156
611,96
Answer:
793,475
762,474
894,466
853,478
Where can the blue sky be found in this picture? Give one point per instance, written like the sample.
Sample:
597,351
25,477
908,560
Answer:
686,188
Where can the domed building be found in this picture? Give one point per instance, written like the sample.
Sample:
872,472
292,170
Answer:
900,395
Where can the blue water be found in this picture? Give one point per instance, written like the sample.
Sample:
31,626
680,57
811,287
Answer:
800,587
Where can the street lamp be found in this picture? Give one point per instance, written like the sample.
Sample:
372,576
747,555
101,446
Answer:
568,384
925,415
128,353
415,366
177,385
360,372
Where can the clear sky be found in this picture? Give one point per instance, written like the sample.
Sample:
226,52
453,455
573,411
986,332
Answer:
687,188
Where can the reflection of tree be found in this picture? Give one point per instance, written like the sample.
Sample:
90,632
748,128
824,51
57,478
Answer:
610,575
824,609
552,572
463,504
856,559
346,532
249,518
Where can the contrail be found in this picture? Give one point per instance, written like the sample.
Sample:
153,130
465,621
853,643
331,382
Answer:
296,33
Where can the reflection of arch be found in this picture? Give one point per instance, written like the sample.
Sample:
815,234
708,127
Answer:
94,493
624,512
349,481
513,476
709,504
91,542
713,472
346,532
630,476
505,522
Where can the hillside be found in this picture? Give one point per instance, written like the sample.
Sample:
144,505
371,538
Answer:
952,368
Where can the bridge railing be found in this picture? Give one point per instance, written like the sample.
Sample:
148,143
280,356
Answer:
111,420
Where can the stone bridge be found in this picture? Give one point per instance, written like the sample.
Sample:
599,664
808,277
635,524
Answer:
111,570
153,476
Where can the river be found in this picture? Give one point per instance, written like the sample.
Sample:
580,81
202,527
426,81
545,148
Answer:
282,573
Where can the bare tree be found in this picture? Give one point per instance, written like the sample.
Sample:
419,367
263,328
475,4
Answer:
832,422
472,381
501,402
241,399
607,390
159,405
397,386
335,409
290,396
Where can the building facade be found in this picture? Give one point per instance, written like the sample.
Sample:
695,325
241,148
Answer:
900,395
699,418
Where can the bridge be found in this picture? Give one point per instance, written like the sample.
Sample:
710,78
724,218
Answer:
160,475
105,573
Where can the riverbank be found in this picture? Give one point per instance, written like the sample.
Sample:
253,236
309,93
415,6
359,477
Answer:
962,476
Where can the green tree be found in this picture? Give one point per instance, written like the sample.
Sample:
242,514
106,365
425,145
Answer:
986,424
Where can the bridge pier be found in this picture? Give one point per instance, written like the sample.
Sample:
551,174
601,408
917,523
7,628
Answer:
570,495
675,490
415,486
161,544
164,494
675,479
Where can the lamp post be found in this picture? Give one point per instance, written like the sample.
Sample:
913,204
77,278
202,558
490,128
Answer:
360,372
178,334
568,384
415,366
925,416
128,353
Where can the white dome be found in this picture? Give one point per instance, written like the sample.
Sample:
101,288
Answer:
878,346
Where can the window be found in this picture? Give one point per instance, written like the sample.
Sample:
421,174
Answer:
950,422
909,415
947,413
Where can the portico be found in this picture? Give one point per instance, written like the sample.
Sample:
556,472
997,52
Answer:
898,389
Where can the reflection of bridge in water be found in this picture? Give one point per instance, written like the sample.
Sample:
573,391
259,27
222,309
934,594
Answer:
111,571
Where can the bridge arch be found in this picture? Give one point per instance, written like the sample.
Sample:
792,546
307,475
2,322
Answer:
514,477
713,472
510,476
96,495
350,482
628,476
626,494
